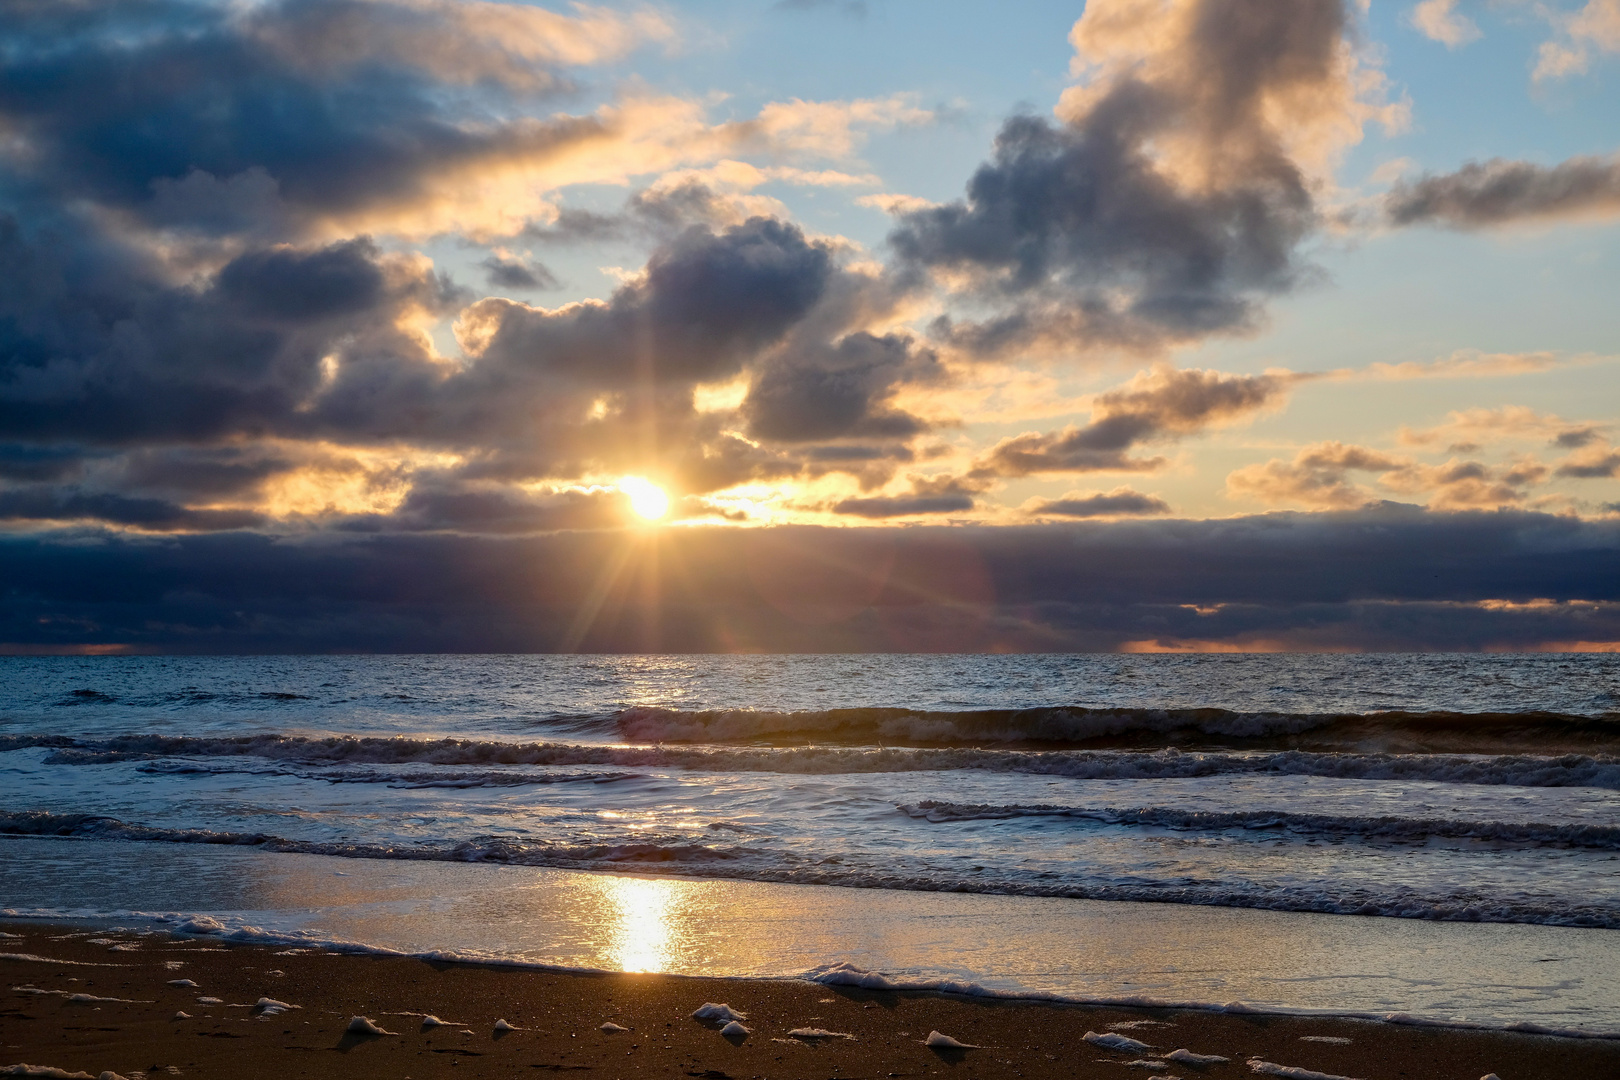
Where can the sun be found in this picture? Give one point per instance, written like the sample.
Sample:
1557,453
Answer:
647,499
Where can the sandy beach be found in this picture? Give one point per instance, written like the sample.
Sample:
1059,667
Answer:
91,1001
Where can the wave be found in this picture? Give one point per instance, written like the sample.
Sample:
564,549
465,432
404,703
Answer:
683,857
1455,732
479,849
410,779
1595,837
1525,770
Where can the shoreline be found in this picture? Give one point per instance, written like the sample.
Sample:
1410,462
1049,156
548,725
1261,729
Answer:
203,929
125,1021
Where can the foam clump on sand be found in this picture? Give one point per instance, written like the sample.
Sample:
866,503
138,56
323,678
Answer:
1147,1063
52,1073
433,1021
1187,1057
735,1030
1334,1039
181,1015
502,1025
1289,1072
718,1011
1111,1041
362,1025
818,1033
210,1001
945,1042
184,983
271,1007
610,1028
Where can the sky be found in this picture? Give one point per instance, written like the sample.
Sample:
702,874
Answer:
1145,325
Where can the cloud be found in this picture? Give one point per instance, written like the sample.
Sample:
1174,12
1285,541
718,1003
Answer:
1500,192
1159,404
1438,21
1461,364
1170,200
928,495
839,390
1593,462
1401,579
509,272
1474,426
1120,502
1319,478
1595,27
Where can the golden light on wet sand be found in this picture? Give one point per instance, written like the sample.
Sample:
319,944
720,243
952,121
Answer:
647,499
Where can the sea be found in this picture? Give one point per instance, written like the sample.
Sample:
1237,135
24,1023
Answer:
1430,837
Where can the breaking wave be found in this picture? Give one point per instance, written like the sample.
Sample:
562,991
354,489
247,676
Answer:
1601,770
1597,837
1130,727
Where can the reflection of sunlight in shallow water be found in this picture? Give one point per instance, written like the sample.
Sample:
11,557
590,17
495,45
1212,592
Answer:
641,937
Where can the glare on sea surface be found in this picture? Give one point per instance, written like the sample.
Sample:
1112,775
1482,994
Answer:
642,931
647,499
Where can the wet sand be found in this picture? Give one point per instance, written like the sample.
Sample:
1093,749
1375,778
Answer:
56,1013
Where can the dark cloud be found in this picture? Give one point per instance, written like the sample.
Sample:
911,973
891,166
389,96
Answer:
1501,192
1390,578
266,119
1604,463
706,305
928,495
50,504
1121,502
1161,404
839,390
295,286
1168,206
99,347
498,512
508,273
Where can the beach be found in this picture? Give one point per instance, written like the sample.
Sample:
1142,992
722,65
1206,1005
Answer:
83,999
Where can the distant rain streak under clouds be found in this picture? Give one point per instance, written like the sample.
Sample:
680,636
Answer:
425,325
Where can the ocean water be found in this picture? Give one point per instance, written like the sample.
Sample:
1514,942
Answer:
1441,789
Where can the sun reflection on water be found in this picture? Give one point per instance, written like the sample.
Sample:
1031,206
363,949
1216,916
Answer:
643,933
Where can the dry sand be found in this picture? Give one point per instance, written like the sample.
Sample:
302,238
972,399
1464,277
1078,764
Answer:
558,1017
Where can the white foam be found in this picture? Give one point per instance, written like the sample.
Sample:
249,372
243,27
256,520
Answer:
49,1072
718,1011
735,1030
1114,1041
30,958
1187,1057
502,1025
818,1033
182,982
73,998
1334,1039
271,1007
1146,1063
945,1042
181,1015
1289,1072
610,1028
362,1025
430,1020
210,1001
